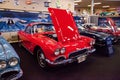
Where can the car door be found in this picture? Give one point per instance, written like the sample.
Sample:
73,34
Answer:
27,37
30,38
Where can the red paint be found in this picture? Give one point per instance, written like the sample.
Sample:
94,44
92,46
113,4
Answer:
66,31
64,25
111,30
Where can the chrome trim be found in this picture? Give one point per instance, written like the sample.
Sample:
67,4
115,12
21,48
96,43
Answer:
78,51
89,50
59,58
92,50
58,63
55,59
17,76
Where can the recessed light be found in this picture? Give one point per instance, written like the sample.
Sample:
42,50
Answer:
97,3
106,6
112,8
89,5
75,4
77,1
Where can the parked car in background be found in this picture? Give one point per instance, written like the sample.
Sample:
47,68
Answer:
9,62
107,14
101,38
103,41
109,27
58,44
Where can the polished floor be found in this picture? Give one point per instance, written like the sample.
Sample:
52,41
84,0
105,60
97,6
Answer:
96,67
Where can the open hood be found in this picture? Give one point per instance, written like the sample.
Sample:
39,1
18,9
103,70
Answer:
64,24
112,24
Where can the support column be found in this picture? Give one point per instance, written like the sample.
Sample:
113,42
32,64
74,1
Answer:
92,7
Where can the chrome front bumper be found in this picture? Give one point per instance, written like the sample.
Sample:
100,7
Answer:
12,77
70,60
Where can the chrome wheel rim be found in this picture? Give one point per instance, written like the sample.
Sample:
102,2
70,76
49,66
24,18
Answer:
41,59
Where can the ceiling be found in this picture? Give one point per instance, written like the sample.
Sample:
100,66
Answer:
111,3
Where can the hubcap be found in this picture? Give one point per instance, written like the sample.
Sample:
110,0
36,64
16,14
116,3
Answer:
41,59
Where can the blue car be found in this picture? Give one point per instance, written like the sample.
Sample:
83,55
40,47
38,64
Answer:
9,62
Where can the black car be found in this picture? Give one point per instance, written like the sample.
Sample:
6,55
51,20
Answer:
102,39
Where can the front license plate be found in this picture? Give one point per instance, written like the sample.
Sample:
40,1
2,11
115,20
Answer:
81,58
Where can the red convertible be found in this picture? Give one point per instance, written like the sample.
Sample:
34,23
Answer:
110,28
56,45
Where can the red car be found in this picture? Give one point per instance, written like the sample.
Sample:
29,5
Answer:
56,45
111,28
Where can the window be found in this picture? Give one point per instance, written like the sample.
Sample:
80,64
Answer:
43,28
28,30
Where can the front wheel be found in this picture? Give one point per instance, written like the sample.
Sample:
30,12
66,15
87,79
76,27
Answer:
41,59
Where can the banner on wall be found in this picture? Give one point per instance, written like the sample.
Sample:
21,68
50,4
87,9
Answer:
10,20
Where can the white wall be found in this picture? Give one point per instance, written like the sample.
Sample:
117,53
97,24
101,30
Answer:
39,6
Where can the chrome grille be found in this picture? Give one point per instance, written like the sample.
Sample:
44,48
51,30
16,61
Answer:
77,53
59,59
9,75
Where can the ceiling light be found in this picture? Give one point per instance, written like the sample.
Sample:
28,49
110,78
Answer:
77,1
112,8
75,4
106,6
97,3
89,5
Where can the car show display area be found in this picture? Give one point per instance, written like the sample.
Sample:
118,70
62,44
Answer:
59,39
96,67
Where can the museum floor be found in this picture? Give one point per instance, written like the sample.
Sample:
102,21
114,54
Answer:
96,67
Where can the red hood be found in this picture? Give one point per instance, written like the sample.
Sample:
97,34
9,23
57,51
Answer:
112,24
64,25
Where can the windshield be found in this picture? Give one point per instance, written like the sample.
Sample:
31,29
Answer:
80,26
105,25
44,27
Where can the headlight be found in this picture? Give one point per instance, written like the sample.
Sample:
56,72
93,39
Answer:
3,64
57,52
92,42
13,61
62,50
